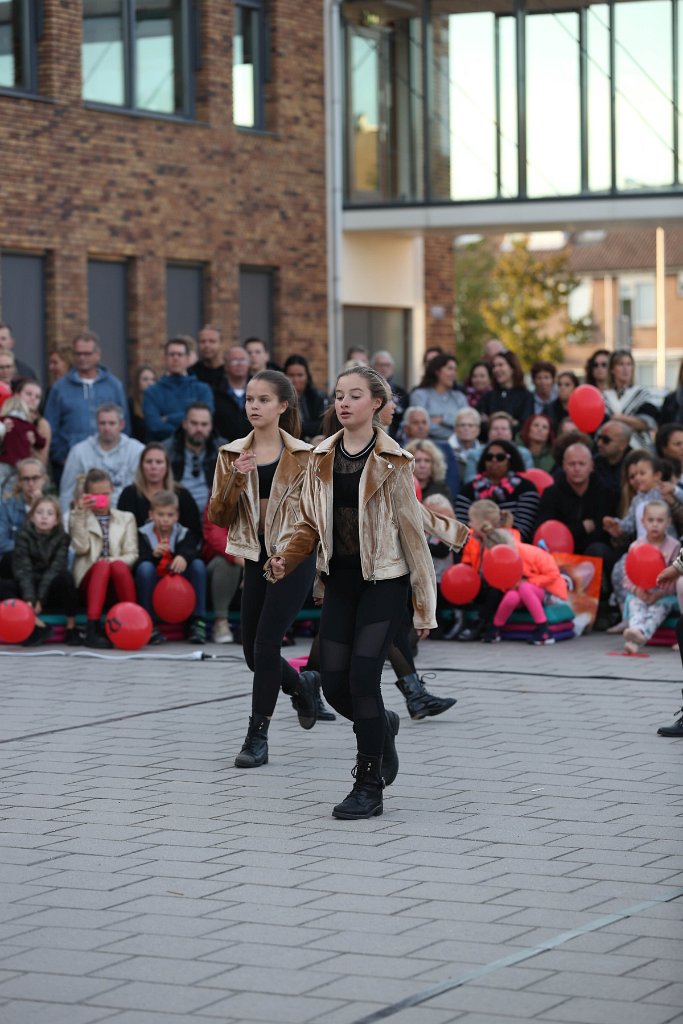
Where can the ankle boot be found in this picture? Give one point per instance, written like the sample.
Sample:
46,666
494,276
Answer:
365,799
303,697
93,638
324,713
420,702
254,750
389,754
673,730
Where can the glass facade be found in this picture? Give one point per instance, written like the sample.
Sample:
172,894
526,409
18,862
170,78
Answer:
136,54
248,65
17,45
456,101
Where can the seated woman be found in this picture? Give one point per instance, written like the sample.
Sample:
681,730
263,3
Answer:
436,393
312,402
478,382
145,376
466,444
429,469
628,402
509,393
538,436
498,479
154,474
566,383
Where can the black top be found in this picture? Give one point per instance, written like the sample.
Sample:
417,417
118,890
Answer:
347,472
132,500
266,473
211,375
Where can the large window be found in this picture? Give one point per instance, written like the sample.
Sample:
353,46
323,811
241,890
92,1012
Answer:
184,298
17,45
511,99
108,312
137,54
249,64
380,330
256,303
22,306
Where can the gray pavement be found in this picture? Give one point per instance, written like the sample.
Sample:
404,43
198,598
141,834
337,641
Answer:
528,865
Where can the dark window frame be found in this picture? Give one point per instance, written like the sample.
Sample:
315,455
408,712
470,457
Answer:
186,47
31,29
262,67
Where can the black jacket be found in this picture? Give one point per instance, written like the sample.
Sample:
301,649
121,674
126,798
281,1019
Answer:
672,408
175,446
131,500
229,419
312,405
187,546
37,560
561,502
518,402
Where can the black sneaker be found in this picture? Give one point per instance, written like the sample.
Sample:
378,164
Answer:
491,635
542,636
672,730
156,638
196,633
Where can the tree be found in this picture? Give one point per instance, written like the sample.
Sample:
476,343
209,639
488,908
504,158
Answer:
474,265
527,306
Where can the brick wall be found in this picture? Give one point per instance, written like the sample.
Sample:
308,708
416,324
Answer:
80,183
439,288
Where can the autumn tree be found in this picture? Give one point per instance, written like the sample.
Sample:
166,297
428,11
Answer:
473,265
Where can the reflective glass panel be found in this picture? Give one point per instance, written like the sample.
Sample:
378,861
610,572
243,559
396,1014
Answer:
102,53
472,106
156,27
598,77
553,109
245,69
364,101
507,105
643,73
10,44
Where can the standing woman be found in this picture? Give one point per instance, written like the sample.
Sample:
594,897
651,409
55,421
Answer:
509,393
256,491
312,402
630,403
359,509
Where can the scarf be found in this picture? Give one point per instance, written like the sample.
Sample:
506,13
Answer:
483,487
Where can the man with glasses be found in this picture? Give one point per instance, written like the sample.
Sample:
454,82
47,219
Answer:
193,451
31,481
231,419
613,444
164,403
74,399
108,449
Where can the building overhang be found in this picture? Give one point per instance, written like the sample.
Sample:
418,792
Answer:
572,214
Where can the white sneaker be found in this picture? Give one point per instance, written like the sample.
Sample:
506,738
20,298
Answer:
222,633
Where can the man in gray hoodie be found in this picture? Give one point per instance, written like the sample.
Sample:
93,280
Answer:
109,449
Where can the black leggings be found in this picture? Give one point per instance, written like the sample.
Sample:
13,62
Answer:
357,624
267,613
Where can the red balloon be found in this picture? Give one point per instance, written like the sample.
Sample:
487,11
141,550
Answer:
17,621
586,408
173,599
539,478
556,535
418,489
5,391
460,584
643,565
128,626
502,567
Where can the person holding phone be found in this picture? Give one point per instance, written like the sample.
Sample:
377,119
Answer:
105,542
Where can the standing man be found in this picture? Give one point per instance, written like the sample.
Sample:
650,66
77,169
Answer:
230,418
209,367
165,402
259,356
383,362
74,399
492,349
7,343
109,449
193,450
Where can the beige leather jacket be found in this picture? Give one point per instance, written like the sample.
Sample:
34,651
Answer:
87,540
391,528
234,501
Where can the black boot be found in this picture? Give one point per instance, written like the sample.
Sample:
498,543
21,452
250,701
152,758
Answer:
324,713
365,799
420,702
254,750
93,637
389,755
304,699
672,730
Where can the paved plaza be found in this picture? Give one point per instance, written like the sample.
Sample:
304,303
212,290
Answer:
528,865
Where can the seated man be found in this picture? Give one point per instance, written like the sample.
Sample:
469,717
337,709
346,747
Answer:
109,449
193,450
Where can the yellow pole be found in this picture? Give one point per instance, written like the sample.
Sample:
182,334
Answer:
660,288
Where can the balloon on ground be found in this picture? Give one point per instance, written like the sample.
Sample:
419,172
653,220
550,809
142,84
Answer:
128,626
17,621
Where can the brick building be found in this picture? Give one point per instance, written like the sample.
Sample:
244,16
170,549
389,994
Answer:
162,165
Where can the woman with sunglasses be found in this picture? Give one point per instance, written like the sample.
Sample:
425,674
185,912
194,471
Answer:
498,479
597,369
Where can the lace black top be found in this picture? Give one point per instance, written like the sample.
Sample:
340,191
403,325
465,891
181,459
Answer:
345,487
266,474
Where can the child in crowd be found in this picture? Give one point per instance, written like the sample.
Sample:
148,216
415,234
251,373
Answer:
18,436
39,566
541,579
484,515
167,547
645,610
646,476
105,543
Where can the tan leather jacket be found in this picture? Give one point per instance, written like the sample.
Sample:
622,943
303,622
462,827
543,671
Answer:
87,540
391,529
234,501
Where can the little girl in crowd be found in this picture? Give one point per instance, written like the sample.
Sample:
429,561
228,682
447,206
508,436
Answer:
645,610
105,542
39,566
541,576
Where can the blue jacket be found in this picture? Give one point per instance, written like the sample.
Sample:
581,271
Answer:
165,402
72,406
12,519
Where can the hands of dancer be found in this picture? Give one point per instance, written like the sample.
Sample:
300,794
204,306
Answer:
246,463
277,568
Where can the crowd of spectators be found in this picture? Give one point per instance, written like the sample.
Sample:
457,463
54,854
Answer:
132,473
